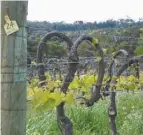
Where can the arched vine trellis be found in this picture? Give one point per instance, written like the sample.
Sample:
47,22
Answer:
112,111
64,122
43,48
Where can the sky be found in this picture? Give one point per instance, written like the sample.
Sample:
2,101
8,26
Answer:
84,10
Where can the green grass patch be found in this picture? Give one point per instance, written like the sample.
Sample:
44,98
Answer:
93,120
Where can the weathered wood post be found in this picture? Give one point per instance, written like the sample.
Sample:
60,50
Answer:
13,69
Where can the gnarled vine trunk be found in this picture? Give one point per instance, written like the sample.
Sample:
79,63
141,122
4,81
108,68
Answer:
64,123
95,95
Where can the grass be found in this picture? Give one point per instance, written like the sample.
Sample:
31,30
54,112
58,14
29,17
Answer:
93,120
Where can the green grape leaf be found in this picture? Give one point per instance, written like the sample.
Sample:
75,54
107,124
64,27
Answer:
51,84
48,105
58,97
98,58
69,98
95,41
139,50
33,63
104,50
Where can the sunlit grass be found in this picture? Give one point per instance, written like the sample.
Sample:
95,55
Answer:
93,120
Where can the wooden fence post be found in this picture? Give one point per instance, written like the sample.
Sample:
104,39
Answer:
13,69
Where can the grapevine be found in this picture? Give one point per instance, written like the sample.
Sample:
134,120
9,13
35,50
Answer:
54,93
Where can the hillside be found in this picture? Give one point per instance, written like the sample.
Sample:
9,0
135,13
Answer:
125,36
